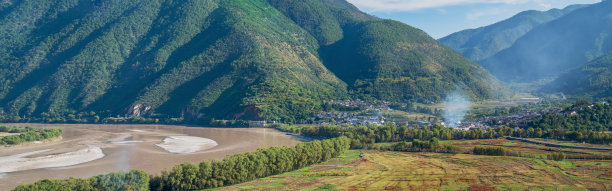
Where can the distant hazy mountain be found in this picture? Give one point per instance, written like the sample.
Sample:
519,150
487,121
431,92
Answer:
248,59
480,43
556,46
592,79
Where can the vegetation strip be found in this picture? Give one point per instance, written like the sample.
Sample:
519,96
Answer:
27,134
367,136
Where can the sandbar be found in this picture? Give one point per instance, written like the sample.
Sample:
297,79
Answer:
21,162
186,144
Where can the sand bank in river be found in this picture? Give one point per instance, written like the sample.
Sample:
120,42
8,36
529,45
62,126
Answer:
21,162
186,144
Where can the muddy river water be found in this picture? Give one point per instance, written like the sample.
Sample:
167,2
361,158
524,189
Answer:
88,150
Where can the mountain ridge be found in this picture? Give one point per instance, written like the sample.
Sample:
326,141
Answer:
238,59
481,43
556,46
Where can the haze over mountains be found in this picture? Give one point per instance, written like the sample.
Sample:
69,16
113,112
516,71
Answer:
483,42
593,79
229,59
574,37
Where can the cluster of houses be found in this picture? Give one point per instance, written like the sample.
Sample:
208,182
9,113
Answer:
468,125
517,119
369,114
485,122
366,115
355,118
363,105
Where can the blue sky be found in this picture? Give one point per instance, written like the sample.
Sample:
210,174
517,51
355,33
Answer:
442,17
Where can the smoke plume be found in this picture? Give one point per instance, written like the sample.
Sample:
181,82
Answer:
456,105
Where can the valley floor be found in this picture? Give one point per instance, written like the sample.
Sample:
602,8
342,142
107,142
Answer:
385,170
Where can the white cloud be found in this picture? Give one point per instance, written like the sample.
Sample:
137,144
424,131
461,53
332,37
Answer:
487,12
544,4
412,5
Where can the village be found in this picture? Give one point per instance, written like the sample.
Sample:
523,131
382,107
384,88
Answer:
359,112
364,113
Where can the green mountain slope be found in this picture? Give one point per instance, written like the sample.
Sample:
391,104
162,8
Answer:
556,46
594,79
232,59
481,43
393,61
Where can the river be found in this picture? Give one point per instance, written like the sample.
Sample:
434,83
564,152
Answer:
87,150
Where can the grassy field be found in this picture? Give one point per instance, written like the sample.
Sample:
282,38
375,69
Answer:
385,170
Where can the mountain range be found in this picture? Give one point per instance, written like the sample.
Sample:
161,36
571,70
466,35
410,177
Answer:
228,59
577,35
481,43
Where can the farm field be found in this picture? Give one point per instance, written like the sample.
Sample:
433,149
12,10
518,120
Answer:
402,117
531,148
570,143
517,100
386,170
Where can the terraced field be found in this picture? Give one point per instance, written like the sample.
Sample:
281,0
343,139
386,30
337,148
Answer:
385,170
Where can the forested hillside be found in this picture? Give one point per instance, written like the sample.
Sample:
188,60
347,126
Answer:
224,59
594,79
481,43
557,46
392,61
